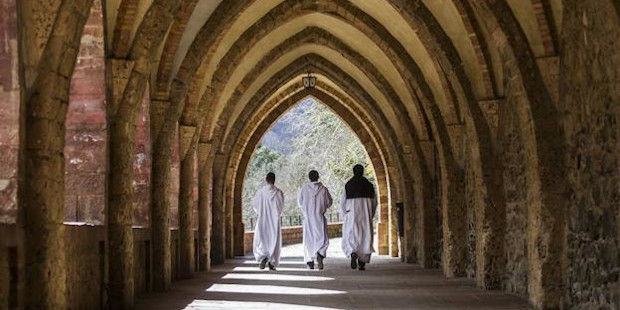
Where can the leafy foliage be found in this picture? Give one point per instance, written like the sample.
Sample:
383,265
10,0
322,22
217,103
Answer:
314,139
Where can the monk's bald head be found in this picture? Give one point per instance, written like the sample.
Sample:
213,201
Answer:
271,178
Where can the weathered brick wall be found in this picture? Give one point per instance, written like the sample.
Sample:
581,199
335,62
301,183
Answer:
590,100
292,235
85,138
9,111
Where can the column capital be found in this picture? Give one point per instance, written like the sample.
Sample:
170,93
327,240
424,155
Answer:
186,134
120,70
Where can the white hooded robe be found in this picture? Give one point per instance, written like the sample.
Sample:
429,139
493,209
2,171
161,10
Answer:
268,204
314,200
357,226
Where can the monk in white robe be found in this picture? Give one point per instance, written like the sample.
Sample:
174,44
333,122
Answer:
268,204
358,206
314,200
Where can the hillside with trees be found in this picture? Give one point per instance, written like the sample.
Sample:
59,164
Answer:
308,137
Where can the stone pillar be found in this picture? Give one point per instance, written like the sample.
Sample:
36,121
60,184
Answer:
393,229
453,206
41,170
187,151
120,190
204,207
590,103
391,198
162,139
490,216
425,206
239,228
383,226
230,230
410,245
218,246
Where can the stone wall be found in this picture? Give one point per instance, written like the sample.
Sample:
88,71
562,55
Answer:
292,235
86,272
590,100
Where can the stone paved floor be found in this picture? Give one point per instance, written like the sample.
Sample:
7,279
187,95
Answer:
386,284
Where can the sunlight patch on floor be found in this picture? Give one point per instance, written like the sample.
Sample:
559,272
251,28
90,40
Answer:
274,277
226,305
270,289
289,262
255,269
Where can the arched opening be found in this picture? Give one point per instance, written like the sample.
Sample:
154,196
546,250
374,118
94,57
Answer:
309,136
251,132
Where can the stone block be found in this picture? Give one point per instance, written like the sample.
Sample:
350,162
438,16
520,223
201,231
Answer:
85,183
70,208
8,200
91,209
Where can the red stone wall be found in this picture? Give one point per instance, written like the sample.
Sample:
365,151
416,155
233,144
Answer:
85,150
142,165
9,111
85,156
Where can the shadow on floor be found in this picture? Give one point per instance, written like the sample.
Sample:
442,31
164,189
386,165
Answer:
386,284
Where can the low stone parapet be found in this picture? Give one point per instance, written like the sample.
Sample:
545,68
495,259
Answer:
292,235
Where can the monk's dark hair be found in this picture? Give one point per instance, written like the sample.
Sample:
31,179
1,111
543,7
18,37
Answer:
313,175
358,170
271,178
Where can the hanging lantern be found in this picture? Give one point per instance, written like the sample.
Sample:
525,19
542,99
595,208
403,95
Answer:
309,80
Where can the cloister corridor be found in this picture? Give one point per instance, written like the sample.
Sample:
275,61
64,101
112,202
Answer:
492,126
386,284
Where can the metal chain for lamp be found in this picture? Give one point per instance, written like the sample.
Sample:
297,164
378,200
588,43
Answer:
309,80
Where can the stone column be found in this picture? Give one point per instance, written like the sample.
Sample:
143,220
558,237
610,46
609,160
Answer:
383,226
41,170
187,151
425,205
392,197
218,245
453,205
162,139
393,229
239,228
410,244
204,207
120,189
230,237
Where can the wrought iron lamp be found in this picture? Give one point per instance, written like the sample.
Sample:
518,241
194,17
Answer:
309,80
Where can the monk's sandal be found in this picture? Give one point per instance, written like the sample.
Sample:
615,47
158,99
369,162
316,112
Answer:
319,259
263,263
362,265
353,261
271,267
310,265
